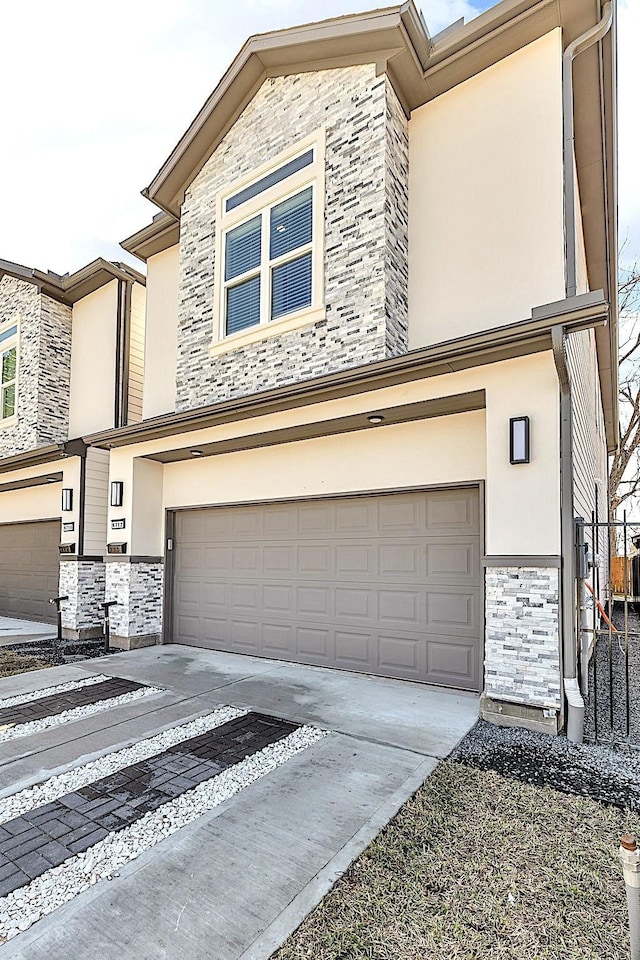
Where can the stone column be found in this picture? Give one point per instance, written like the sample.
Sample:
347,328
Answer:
83,581
137,586
522,649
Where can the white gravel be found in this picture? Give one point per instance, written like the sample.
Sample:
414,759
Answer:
37,796
13,732
51,691
22,908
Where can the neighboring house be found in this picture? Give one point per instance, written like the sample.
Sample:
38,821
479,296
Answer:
72,362
376,249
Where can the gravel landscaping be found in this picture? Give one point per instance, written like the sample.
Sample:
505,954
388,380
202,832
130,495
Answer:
589,770
480,865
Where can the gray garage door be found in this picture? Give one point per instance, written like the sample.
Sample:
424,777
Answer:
29,569
386,584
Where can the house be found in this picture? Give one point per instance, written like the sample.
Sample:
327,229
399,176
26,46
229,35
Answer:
380,362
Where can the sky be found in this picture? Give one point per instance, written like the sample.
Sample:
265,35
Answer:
95,96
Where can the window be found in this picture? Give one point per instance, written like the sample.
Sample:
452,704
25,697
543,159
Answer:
269,247
8,372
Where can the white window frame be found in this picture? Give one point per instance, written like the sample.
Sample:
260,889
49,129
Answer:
5,347
310,176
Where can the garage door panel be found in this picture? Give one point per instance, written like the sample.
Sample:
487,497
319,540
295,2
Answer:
454,612
29,569
313,601
277,599
315,644
278,640
381,584
452,663
402,608
315,561
402,561
453,561
353,603
454,511
354,651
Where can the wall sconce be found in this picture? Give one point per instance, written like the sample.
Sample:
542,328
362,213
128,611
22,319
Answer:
519,440
67,498
117,493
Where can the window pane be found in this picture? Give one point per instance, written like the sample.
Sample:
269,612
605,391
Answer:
270,180
11,332
291,286
9,365
8,401
291,223
242,248
243,305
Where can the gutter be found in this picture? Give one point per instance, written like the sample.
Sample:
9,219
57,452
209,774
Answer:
575,701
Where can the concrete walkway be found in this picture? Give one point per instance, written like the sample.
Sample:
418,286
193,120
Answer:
23,631
233,884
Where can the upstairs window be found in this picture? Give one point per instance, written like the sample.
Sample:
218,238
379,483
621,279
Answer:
270,246
8,372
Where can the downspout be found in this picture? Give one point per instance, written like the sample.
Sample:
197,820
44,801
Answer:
575,702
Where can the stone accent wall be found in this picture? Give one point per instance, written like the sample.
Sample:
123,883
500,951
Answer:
20,303
44,367
54,380
397,228
138,588
83,581
522,649
366,242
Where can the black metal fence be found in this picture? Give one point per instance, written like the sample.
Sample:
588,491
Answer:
608,603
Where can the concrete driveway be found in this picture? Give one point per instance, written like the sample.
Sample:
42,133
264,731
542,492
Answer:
236,876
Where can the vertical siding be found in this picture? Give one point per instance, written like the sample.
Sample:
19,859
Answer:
136,354
95,504
590,462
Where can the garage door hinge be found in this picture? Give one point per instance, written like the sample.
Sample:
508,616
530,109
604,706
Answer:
170,543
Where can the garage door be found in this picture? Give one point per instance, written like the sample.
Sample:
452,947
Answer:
386,584
29,569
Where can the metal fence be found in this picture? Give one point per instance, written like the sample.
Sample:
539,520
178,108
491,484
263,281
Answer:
608,600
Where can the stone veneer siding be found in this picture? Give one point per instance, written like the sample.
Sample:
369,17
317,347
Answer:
138,589
44,367
522,649
365,245
83,581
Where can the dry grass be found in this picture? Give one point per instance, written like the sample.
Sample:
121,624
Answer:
12,663
479,866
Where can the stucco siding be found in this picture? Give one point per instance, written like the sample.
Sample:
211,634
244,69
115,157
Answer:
365,239
92,401
161,339
486,240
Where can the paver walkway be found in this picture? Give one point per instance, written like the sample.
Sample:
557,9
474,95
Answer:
251,848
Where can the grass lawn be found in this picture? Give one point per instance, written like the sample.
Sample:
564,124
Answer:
12,663
476,865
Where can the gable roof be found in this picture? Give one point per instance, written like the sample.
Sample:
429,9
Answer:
69,288
395,39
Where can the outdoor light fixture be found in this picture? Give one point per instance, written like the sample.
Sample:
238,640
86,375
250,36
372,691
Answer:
519,440
117,493
375,418
67,498
195,453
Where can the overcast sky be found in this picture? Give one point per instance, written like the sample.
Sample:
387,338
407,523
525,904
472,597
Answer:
95,96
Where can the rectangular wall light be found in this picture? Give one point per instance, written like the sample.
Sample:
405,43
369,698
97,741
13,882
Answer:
117,493
519,440
67,498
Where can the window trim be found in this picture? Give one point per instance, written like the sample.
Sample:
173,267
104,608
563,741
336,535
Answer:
5,346
311,175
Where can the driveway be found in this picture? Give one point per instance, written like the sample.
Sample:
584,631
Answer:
197,804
